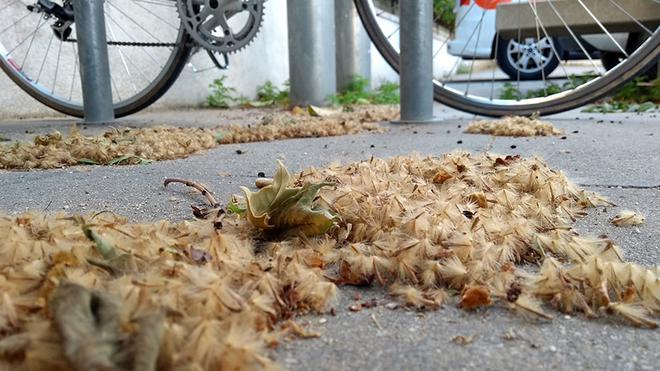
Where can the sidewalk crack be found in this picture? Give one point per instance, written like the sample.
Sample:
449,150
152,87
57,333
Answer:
619,186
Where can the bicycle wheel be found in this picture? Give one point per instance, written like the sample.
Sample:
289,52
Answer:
471,81
147,49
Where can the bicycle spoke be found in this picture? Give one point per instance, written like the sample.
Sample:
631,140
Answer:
497,49
395,31
603,28
123,58
155,2
474,54
134,21
132,39
554,50
114,87
518,69
137,68
15,23
75,69
538,41
8,5
458,60
631,17
43,62
26,38
458,23
57,67
31,41
157,16
575,38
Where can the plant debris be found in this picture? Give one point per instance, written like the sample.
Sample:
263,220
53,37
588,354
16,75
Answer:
129,146
396,227
510,335
375,320
279,207
463,340
628,218
88,324
514,126
285,124
475,297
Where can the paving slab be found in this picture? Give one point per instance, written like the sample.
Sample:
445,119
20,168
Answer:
616,155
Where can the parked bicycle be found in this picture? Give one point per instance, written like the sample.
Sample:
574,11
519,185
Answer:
582,25
150,42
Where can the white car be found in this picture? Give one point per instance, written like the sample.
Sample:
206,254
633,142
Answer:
528,58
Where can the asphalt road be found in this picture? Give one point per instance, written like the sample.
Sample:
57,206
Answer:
617,155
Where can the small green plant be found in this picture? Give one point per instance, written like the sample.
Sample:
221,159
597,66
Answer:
221,94
614,106
357,92
462,69
387,93
443,10
270,94
511,92
639,91
443,13
636,96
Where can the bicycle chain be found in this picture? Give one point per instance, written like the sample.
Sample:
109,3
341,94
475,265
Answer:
135,43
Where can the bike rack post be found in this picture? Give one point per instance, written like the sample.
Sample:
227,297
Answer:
416,73
93,58
353,45
311,51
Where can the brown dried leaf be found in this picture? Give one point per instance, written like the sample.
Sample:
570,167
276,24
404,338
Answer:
475,297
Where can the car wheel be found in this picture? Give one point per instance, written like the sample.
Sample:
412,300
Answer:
529,59
611,59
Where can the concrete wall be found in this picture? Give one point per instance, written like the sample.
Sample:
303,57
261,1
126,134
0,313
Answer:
265,59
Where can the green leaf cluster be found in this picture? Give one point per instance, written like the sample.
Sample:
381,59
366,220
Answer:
222,96
269,94
511,91
357,92
443,13
636,96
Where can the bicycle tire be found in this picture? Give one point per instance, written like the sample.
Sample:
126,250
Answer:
643,58
147,96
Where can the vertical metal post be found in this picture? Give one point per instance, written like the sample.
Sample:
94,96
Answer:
311,51
93,57
416,45
353,45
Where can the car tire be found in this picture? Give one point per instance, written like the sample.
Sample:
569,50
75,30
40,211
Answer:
507,53
610,59
634,41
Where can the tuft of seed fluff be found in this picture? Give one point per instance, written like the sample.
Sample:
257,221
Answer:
628,218
513,126
458,229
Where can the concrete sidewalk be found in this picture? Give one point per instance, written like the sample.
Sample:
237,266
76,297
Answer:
617,155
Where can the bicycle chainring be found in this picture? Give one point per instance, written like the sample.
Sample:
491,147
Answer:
224,26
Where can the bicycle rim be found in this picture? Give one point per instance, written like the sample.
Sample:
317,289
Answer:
46,67
575,90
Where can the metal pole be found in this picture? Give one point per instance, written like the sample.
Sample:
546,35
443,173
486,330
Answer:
93,56
311,51
416,45
353,45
